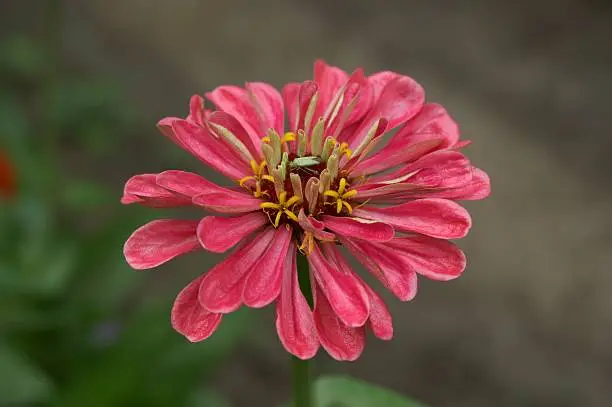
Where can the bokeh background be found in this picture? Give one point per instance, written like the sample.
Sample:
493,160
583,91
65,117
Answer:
82,84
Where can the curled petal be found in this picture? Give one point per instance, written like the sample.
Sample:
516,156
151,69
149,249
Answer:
144,190
221,288
314,226
339,340
217,234
294,319
345,293
160,241
236,102
263,284
433,217
189,318
227,128
329,80
359,228
211,150
290,97
268,104
398,102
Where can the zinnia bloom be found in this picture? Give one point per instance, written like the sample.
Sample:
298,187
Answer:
330,179
8,184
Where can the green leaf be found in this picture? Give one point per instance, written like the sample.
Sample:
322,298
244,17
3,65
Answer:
338,391
20,381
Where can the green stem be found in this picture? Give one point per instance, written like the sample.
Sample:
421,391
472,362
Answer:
302,386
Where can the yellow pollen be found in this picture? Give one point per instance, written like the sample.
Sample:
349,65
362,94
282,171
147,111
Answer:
284,206
289,136
341,196
308,243
258,176
344,149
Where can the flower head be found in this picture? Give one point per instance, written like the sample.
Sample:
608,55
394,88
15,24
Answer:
330,179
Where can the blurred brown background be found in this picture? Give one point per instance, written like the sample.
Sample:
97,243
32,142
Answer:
530,322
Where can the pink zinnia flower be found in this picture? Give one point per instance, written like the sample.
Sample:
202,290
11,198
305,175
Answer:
330,180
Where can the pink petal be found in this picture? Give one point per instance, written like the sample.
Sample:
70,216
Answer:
144,190
359,228
340,341
294,320
197,113
433,217
330,80
269,105
230,123
218,234
165,128
189,318
380,319
478,188
307,91
357,95
160,241
314,226
379,81
290,97
433,258
236,102
390,157
263,284
223,200
211,150
399,101
441,169
345,293
221,288
432,122
185,183
386,265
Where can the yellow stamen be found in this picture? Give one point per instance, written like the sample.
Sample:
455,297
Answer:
341,196
344,149
277,219
349,194
307,245
265,139
282,197
254,167
289,214
289,136
342,186
268,178
294,199
245,179
270,205
349,208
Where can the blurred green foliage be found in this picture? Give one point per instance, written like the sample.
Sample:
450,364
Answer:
65,336
339,391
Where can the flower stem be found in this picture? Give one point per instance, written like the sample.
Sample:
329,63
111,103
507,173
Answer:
302,385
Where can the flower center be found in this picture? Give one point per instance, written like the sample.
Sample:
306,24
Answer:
309,180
